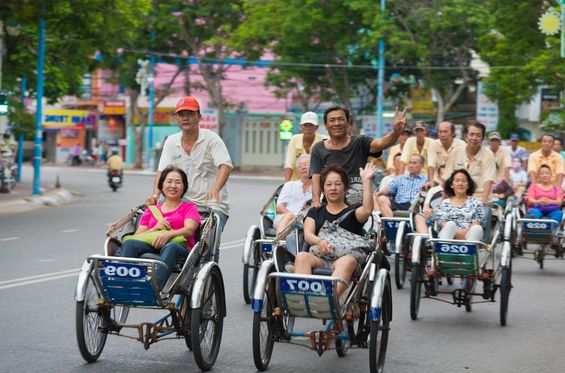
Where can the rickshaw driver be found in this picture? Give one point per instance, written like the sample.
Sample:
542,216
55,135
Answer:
349,152
203,156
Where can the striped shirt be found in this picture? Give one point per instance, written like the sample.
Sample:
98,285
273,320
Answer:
406,187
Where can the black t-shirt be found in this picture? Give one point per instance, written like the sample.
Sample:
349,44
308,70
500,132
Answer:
351,158
321,215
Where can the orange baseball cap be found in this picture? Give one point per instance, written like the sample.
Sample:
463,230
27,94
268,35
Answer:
187,103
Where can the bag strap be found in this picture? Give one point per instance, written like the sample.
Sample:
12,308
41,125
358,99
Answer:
340,220
156,213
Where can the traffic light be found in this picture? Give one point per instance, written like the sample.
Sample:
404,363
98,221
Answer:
285,129
3,103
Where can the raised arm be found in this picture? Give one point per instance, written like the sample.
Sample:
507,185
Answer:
362,213
387,141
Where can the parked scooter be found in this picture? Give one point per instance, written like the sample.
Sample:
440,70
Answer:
115,178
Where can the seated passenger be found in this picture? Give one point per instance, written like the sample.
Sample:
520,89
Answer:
334,182
294,194
180,218
518,177
460,215
404,187
544,198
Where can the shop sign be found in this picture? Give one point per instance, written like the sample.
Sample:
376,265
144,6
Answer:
209,119
69,119
117,107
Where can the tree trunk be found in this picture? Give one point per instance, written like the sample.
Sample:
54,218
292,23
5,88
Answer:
139,130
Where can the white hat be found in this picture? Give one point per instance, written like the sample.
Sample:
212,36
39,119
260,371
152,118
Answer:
309,117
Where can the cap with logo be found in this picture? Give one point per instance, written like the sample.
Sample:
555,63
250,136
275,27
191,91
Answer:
187,103
515,136
419,126
309,117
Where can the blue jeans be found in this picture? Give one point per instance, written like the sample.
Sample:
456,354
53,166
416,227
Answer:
170,254
554,215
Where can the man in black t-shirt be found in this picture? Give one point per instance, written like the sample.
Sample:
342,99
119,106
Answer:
349,152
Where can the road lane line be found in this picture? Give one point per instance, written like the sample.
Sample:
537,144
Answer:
73,272
69,230
40,280
9,239
39,276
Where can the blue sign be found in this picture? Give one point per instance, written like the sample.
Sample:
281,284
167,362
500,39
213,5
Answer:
306,286
123,270
455,248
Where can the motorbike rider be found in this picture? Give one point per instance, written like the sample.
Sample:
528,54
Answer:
7,146
115,163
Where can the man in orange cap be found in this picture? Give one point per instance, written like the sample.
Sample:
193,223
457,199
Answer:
202,154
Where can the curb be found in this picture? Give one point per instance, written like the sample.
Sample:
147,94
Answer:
54,197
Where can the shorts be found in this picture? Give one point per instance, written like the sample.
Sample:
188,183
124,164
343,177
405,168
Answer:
400,206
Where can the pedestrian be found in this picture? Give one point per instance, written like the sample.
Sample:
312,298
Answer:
349,152
501,156
302,144
203,156
440,150
397,150
418,144
518,151
76,154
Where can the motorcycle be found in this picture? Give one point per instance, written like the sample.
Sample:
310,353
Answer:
8,170
115,178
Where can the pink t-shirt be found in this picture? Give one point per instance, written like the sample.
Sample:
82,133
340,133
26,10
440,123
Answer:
535,191
176,217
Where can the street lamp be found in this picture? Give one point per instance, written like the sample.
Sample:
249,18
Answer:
380,80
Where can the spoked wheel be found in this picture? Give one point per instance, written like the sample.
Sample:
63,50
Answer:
185,314
400,266
416,283
91,336
264,328
207,322
468,303
505,287
342,346
539,256
250,270
378,339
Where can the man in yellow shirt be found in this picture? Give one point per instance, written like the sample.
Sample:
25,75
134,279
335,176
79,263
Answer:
546,155
440,150
501,156
302,143
115,162
396,149
418,144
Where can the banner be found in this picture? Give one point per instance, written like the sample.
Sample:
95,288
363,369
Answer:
209,119
487,110
117,107
421,100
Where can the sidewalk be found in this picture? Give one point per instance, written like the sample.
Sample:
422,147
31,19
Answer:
21,199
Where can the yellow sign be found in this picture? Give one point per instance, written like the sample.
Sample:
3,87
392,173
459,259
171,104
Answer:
421,101
69,118
161,116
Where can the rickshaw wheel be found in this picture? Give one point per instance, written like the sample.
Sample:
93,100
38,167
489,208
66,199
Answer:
505,287
400,266
378,340
264,329
207,322
416,283
251,269
342,346
185,313
91,337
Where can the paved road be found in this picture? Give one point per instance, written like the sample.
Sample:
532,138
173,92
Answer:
41,250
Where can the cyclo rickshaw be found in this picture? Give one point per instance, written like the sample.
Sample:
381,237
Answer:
260,241
193,297
434,259
546,235
280,297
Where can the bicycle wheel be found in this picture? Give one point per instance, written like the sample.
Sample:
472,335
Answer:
378,340
250,270
185,314
505,287
400,269
207,322
415,290
91,336
263,329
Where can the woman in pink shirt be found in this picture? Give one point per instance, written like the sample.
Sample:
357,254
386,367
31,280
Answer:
180,218
544,199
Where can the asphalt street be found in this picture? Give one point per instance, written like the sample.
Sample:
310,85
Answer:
42,249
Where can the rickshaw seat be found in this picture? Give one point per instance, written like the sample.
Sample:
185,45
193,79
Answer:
401,214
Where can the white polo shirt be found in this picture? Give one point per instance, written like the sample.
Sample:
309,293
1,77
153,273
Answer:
201,166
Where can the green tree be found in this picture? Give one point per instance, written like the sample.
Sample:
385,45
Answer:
523,58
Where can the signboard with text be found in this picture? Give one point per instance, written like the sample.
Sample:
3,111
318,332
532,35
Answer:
487,110
69,118
209,119
117,107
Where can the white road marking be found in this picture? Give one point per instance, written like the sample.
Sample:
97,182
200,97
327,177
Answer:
9,239
69,230
73,272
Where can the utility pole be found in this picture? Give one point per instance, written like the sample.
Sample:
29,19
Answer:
381,78
21,136
3,118
39,110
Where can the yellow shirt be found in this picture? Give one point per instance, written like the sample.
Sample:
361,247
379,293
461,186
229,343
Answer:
296,149
115,162
393,151
503,161
437,155
411,148
554,161
482,167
